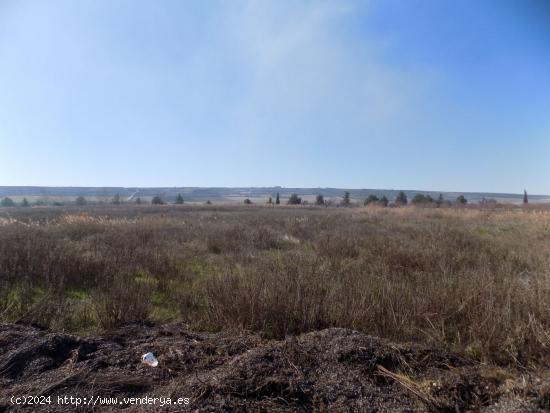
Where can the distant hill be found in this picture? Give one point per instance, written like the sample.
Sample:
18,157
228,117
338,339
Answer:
219,194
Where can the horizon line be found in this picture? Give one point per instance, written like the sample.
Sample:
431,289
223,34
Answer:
267,187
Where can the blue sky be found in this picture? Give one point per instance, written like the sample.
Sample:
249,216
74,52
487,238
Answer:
440,95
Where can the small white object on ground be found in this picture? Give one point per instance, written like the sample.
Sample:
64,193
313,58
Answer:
150,360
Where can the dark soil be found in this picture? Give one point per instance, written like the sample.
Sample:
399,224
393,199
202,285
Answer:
333,370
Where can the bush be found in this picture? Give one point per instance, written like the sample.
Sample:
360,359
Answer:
81,201
320,200
247,201
461,200
179,200
157,200
7,202
422,199
126,298
401,198
294,200
371,199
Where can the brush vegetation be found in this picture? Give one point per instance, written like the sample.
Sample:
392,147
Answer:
470,280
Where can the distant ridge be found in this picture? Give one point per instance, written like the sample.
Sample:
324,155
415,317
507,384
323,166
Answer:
198,194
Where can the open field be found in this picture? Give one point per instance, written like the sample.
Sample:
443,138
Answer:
466,283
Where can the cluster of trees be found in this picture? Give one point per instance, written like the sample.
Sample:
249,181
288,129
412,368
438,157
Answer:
269,201
294,199
374,200
400,200
8,202
421,199
157,200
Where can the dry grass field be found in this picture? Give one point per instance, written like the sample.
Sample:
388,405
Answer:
473,281
297,308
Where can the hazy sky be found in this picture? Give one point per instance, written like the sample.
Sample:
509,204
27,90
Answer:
442,95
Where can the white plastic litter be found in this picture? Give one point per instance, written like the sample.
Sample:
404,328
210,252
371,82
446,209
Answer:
150,360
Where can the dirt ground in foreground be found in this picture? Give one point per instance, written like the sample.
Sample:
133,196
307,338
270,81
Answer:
333,370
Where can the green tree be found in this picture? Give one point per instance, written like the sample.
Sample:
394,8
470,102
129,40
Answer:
208,202
81,201
418,199
439,201
422,199
25,203
157,200
247,201
270,201
346,199
116,199
138,201
401,198
371,199
179,200
294,200
461,200
384,201
320,200
277,200
7,202
525,198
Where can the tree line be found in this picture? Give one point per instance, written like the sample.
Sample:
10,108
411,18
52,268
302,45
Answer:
82,201
400,200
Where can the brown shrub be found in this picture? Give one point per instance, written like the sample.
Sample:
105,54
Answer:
473,280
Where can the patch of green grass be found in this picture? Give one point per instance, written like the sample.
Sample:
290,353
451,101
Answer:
163,309
80,314
484,231
197,266
18,299
144,277
77,294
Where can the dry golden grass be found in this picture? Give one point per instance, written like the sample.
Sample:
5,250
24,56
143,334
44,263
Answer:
476,281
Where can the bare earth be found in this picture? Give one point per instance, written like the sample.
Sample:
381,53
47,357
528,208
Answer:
336,370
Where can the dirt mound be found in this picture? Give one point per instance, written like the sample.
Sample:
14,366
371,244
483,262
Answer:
331,370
